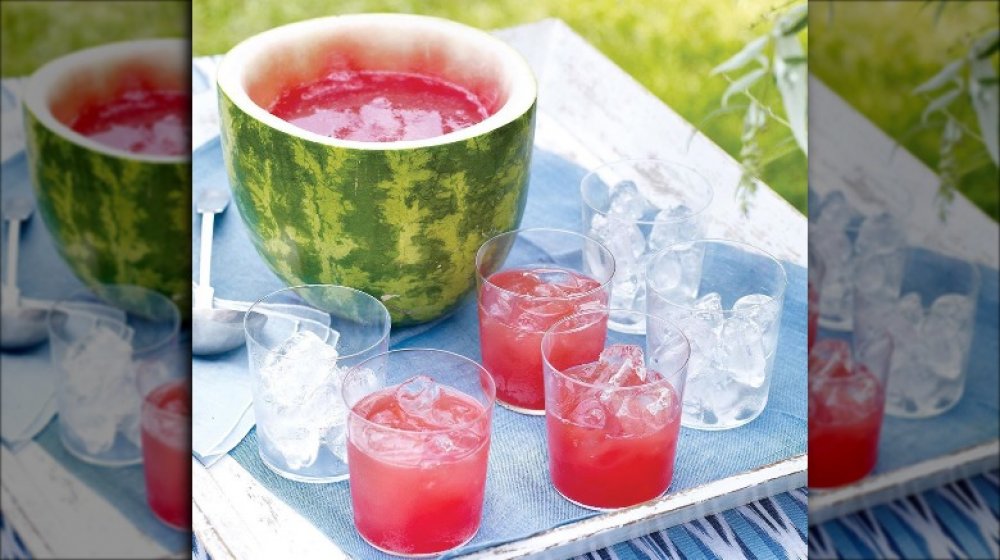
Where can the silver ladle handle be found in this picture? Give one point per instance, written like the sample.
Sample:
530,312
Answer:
204,294
13,244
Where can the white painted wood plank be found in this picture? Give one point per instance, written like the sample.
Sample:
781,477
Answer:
63,515
244,520
844,145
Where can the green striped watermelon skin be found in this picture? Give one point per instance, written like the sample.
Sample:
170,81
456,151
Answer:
114,220
403,225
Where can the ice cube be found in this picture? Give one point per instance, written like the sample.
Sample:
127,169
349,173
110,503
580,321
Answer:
562,280
953,308
760,309
708,308
626,202
829,358
298,444
910,308
621,365
943,351
880,235
418,395
667,231
741,351
641,412
589,413
836,212
671,350
300,365
666,276
711,397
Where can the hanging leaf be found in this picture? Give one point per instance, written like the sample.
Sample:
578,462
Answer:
940,103
795,19
742,83
988,44
985,96
746,54
791,80
947,74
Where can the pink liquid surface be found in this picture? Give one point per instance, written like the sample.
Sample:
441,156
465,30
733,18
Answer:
416,489
516,307
375,106
140,121
611,448
166,452
846,402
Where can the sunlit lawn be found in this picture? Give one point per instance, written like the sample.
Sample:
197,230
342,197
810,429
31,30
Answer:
874,53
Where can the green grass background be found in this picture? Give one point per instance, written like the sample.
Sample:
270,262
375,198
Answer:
874,53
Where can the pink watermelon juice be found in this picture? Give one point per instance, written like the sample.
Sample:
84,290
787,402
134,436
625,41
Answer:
516,307
846,403
166,452
612,430
418,453
380,106
140,121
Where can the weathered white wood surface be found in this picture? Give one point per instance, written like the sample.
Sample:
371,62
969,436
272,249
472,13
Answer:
58,516
848,152
590,111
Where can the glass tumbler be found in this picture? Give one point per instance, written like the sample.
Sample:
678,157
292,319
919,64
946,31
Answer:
727,297
846,403
100,339
637,207
418,448
613,414
931,319
528,279
166,443
301,341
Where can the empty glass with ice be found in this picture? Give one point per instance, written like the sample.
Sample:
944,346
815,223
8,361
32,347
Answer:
613,413
418,447
931,318
100,339
727,297
635,208
529,279
301,342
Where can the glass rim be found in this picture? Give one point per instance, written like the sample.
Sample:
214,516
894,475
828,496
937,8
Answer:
608,311
383,336
586,238
362,365
662,162
174,319
718,241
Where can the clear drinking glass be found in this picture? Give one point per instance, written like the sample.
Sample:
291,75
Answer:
843,231
931,318
100,340
817,271
528,279
301,342
166,443
418,448
613,412
635,208
846,403
727,297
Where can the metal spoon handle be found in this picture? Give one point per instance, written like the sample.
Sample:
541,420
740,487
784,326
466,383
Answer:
205,264
13,244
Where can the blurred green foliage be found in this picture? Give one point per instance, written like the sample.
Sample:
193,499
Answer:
668,46
37,32
873,54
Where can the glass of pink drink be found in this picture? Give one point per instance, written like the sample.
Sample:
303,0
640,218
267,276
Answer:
166,448
613,413
418,441
528,280
846,404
